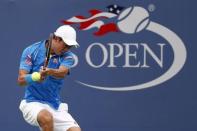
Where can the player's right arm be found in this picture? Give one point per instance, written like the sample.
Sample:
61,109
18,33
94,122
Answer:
25,66
21,77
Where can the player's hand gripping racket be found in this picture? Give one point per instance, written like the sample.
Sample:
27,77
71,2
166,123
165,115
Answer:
48,52
47,58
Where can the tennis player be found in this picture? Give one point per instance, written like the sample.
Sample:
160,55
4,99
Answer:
41,105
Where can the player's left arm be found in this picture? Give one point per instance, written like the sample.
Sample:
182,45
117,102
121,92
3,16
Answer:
63,69
61,72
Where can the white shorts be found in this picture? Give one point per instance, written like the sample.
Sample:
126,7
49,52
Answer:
62,119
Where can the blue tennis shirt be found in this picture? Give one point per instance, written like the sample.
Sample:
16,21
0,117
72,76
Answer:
47,91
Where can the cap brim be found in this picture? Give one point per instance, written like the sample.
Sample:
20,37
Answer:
68,42
71,43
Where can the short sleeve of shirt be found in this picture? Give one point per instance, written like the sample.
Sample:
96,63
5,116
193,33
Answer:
68,61
26,60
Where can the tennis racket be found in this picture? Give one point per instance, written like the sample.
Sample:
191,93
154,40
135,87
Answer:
48,51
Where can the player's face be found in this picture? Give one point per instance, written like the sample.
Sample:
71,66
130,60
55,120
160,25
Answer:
59,46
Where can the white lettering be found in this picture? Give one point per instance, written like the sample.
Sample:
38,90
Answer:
149,51
105,55
134,55
129,56
112,53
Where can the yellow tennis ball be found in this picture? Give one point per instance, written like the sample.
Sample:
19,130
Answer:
35,76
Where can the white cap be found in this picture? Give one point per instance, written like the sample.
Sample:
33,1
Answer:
68,35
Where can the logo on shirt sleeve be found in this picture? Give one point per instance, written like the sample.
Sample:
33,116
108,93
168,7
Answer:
28,60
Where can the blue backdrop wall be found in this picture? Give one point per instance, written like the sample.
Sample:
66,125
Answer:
169,105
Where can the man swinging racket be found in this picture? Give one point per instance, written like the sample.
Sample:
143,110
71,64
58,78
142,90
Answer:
43,67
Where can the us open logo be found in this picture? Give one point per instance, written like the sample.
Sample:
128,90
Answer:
130,21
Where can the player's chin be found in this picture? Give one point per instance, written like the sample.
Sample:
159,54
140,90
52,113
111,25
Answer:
58,52
63,51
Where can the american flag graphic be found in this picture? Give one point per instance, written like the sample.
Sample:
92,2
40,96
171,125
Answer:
97,20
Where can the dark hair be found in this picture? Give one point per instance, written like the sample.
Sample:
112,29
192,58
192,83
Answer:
57,37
